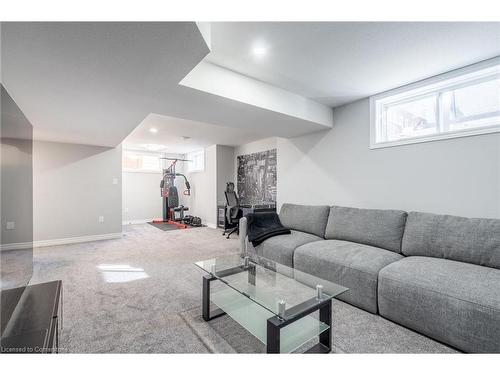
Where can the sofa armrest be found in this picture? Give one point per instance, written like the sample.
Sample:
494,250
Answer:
243,235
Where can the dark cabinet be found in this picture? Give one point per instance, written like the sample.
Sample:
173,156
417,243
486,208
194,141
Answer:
35,324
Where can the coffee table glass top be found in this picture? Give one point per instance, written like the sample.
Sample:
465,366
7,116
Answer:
271,285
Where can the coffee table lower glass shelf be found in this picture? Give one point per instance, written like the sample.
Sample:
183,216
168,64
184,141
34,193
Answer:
272,302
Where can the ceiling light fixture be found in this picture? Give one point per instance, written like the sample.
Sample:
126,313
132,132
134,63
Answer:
153,130
259,50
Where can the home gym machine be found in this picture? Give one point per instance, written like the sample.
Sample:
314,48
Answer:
170,195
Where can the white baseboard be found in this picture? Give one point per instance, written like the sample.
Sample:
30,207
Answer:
144,221
136,221
59,241
16,246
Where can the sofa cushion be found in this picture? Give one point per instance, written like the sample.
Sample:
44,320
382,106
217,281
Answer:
453,302
281,248
348,264
380,228
458,238
309,219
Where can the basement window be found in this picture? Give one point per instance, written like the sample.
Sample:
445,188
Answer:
196,161
461,103
134,161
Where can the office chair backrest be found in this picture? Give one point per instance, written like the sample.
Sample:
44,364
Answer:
231,197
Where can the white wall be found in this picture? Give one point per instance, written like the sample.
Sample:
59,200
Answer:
141,196
207,187
72,186
225,170
16,190
203,199
141,193
257,146
16,174
457,176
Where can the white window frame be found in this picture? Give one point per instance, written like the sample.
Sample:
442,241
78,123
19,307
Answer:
191,167
433,86
143,153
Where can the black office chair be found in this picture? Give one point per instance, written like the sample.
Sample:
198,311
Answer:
233,212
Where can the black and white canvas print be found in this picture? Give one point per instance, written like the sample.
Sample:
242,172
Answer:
257,178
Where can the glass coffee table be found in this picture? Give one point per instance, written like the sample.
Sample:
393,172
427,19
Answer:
283,307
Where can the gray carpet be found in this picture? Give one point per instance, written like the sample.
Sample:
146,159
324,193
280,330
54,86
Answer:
141,294
354,331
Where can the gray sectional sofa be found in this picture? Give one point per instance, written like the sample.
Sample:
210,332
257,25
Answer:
436,274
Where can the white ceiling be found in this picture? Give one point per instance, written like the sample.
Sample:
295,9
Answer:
93,83
338,62
171,133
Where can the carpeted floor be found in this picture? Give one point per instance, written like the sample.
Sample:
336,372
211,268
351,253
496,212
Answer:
142,293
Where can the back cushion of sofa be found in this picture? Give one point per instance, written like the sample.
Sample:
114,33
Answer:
380,228
309,219
475,241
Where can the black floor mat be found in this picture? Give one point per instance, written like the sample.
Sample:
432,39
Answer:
164,226
167,227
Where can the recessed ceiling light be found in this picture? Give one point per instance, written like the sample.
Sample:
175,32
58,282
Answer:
153,130
185,138
259,50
